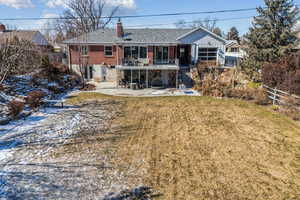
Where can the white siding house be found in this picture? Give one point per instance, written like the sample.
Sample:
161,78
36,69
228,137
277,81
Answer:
205,42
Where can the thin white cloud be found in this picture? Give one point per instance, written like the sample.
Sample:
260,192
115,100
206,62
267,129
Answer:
17,3
43,22
56,3
63,3
124,3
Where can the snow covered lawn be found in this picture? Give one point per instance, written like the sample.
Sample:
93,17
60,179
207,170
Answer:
61,154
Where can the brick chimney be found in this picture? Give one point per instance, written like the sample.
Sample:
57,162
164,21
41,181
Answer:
2,28
120,31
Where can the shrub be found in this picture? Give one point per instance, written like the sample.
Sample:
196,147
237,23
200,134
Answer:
34,98
15,108
254,85
284,75
261,97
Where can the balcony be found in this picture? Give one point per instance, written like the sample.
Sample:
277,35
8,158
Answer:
144,64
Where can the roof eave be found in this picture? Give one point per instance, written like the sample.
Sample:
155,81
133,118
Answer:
120,43
204,29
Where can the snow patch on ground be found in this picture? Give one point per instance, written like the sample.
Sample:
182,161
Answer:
61,154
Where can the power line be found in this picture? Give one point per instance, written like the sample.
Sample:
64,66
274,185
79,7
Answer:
174,23
134,16
190,22
137,16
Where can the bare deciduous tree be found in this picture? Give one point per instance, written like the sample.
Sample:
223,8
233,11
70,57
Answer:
84,16
208,23
18,57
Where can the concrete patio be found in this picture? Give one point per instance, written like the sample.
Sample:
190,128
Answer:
110,88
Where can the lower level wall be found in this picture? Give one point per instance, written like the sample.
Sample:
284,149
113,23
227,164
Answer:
98,73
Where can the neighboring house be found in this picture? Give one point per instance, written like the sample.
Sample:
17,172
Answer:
234,53
147,56
33,36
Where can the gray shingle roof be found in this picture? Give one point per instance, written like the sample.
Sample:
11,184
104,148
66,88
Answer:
131,36
33,36
20,34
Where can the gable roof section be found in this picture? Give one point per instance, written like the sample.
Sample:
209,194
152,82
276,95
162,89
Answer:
144,36
20,34
205,30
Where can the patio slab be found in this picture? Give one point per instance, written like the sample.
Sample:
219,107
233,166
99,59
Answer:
111,88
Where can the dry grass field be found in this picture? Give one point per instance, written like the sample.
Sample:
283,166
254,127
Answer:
204,148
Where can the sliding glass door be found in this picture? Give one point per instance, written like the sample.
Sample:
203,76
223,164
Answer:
162,55
135,52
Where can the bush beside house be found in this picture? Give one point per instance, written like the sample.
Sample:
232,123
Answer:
283,75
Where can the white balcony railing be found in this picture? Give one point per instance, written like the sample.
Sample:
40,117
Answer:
146,62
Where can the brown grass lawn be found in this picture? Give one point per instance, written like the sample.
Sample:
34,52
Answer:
204,148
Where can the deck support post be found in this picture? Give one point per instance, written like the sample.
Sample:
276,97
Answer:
131,77
139,76
147,79
176,79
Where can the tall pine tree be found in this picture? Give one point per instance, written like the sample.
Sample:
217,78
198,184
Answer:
233,34
272,34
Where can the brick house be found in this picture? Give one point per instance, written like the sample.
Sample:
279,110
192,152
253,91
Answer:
146,56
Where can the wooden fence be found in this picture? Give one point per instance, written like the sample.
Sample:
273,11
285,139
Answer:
279,96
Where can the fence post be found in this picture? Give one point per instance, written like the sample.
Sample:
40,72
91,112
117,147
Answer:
275,96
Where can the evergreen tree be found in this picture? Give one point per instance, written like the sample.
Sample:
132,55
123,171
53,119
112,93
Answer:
233,34
217,31
271,35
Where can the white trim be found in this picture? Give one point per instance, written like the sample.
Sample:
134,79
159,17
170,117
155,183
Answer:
124,43
112,51
151,67
154,52
201,28
81,50
139,55
217,53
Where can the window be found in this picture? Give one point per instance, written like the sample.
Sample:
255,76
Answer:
161,55
84,50
135,52
234,50
108,51
207,54
143,52
88,72
127,52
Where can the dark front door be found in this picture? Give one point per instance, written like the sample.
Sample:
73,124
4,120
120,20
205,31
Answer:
184,54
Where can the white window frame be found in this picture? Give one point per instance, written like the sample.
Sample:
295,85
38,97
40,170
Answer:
234,48
87,50
207,56
112,51
155,59
139,51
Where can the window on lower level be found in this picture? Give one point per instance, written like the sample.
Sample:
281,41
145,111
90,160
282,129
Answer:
108,51
84,50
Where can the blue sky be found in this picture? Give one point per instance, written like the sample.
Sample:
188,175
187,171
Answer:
52,8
